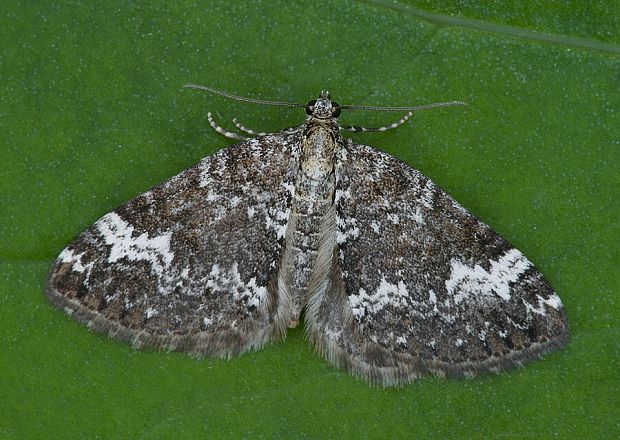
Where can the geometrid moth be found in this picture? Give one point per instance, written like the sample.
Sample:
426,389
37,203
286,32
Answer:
396,279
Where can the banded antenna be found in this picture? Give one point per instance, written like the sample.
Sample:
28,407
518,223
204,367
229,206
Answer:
349,107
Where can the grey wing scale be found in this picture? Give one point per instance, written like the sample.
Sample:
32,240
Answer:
192,264
419,285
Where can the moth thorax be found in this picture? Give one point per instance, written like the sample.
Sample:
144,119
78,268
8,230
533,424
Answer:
319,147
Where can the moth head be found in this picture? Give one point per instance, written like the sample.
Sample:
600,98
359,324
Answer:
324,107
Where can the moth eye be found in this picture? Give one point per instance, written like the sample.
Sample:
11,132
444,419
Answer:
310,106
335,109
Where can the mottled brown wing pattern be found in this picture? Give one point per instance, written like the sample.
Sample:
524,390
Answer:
419,285
397,280
191,264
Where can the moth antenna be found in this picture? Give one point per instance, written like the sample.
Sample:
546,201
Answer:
243,99
403,109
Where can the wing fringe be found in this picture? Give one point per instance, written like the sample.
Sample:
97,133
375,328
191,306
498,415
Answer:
220,344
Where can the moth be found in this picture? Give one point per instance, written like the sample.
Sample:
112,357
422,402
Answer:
395,279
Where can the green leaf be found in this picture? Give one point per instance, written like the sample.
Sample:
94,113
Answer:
92,113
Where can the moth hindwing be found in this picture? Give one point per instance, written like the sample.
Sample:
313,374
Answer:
396,279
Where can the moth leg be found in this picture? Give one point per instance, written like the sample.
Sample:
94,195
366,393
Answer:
398,123
220,130
248,130
243,128
291,130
